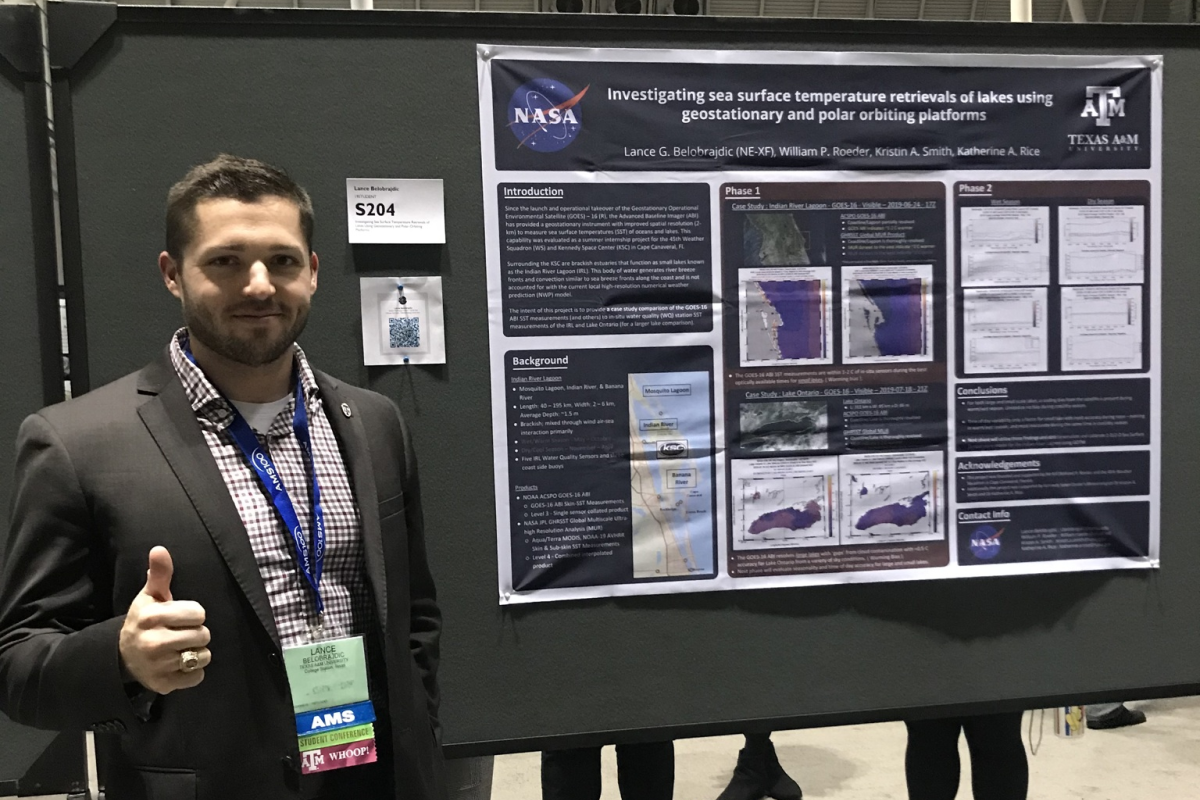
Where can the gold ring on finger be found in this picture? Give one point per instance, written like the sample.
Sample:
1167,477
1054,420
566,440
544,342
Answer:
189,661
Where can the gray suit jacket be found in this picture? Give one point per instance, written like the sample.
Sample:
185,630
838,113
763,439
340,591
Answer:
103,478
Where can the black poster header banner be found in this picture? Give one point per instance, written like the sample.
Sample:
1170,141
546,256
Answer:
657,116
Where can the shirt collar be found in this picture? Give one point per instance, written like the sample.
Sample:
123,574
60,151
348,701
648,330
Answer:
208,402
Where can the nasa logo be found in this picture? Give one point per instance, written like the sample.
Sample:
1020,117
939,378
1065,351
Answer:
332,718
544,115
985,542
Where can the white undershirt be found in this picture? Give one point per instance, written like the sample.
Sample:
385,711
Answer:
261,415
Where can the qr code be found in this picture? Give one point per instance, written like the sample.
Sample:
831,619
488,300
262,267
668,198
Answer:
404,332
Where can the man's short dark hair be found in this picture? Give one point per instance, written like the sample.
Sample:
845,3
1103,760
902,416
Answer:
227,176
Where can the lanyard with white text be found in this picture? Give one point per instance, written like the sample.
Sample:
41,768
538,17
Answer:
312,559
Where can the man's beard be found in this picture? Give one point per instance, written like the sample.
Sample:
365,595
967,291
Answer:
252,352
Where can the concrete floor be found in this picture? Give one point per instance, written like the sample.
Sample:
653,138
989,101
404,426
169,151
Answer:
1159,759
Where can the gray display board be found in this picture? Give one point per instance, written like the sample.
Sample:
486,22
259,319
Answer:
332,95
22,309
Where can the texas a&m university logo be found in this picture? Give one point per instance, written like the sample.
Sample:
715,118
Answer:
1103,104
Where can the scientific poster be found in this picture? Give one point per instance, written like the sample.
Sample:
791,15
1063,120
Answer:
765,319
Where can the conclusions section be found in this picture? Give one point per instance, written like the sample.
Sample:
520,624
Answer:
1062,414
611,464
579,259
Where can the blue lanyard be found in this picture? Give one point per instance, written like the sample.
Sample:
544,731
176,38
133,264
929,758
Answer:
311,559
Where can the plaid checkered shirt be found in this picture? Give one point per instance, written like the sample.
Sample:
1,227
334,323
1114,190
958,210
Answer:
348,605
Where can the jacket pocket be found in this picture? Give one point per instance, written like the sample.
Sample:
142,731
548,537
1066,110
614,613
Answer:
169,784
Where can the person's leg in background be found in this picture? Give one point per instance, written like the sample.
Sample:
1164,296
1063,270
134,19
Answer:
759,774
931,766
999,767
571,774
1105,716
470,778
1102,709
646,771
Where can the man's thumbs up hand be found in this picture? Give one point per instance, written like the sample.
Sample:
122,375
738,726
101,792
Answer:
163,643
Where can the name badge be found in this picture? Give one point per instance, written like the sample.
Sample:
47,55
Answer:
332,703
327,674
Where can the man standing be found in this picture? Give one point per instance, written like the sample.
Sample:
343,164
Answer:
220,559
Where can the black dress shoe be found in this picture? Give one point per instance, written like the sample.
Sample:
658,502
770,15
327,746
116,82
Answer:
784,788
1119,717
759,774
746,783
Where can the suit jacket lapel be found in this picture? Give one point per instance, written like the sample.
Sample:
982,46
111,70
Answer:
348,428
172,423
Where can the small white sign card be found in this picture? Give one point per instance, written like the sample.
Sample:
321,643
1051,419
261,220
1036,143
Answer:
402,320
395,211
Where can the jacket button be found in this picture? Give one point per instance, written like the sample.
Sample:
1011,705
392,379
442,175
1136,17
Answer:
291,773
